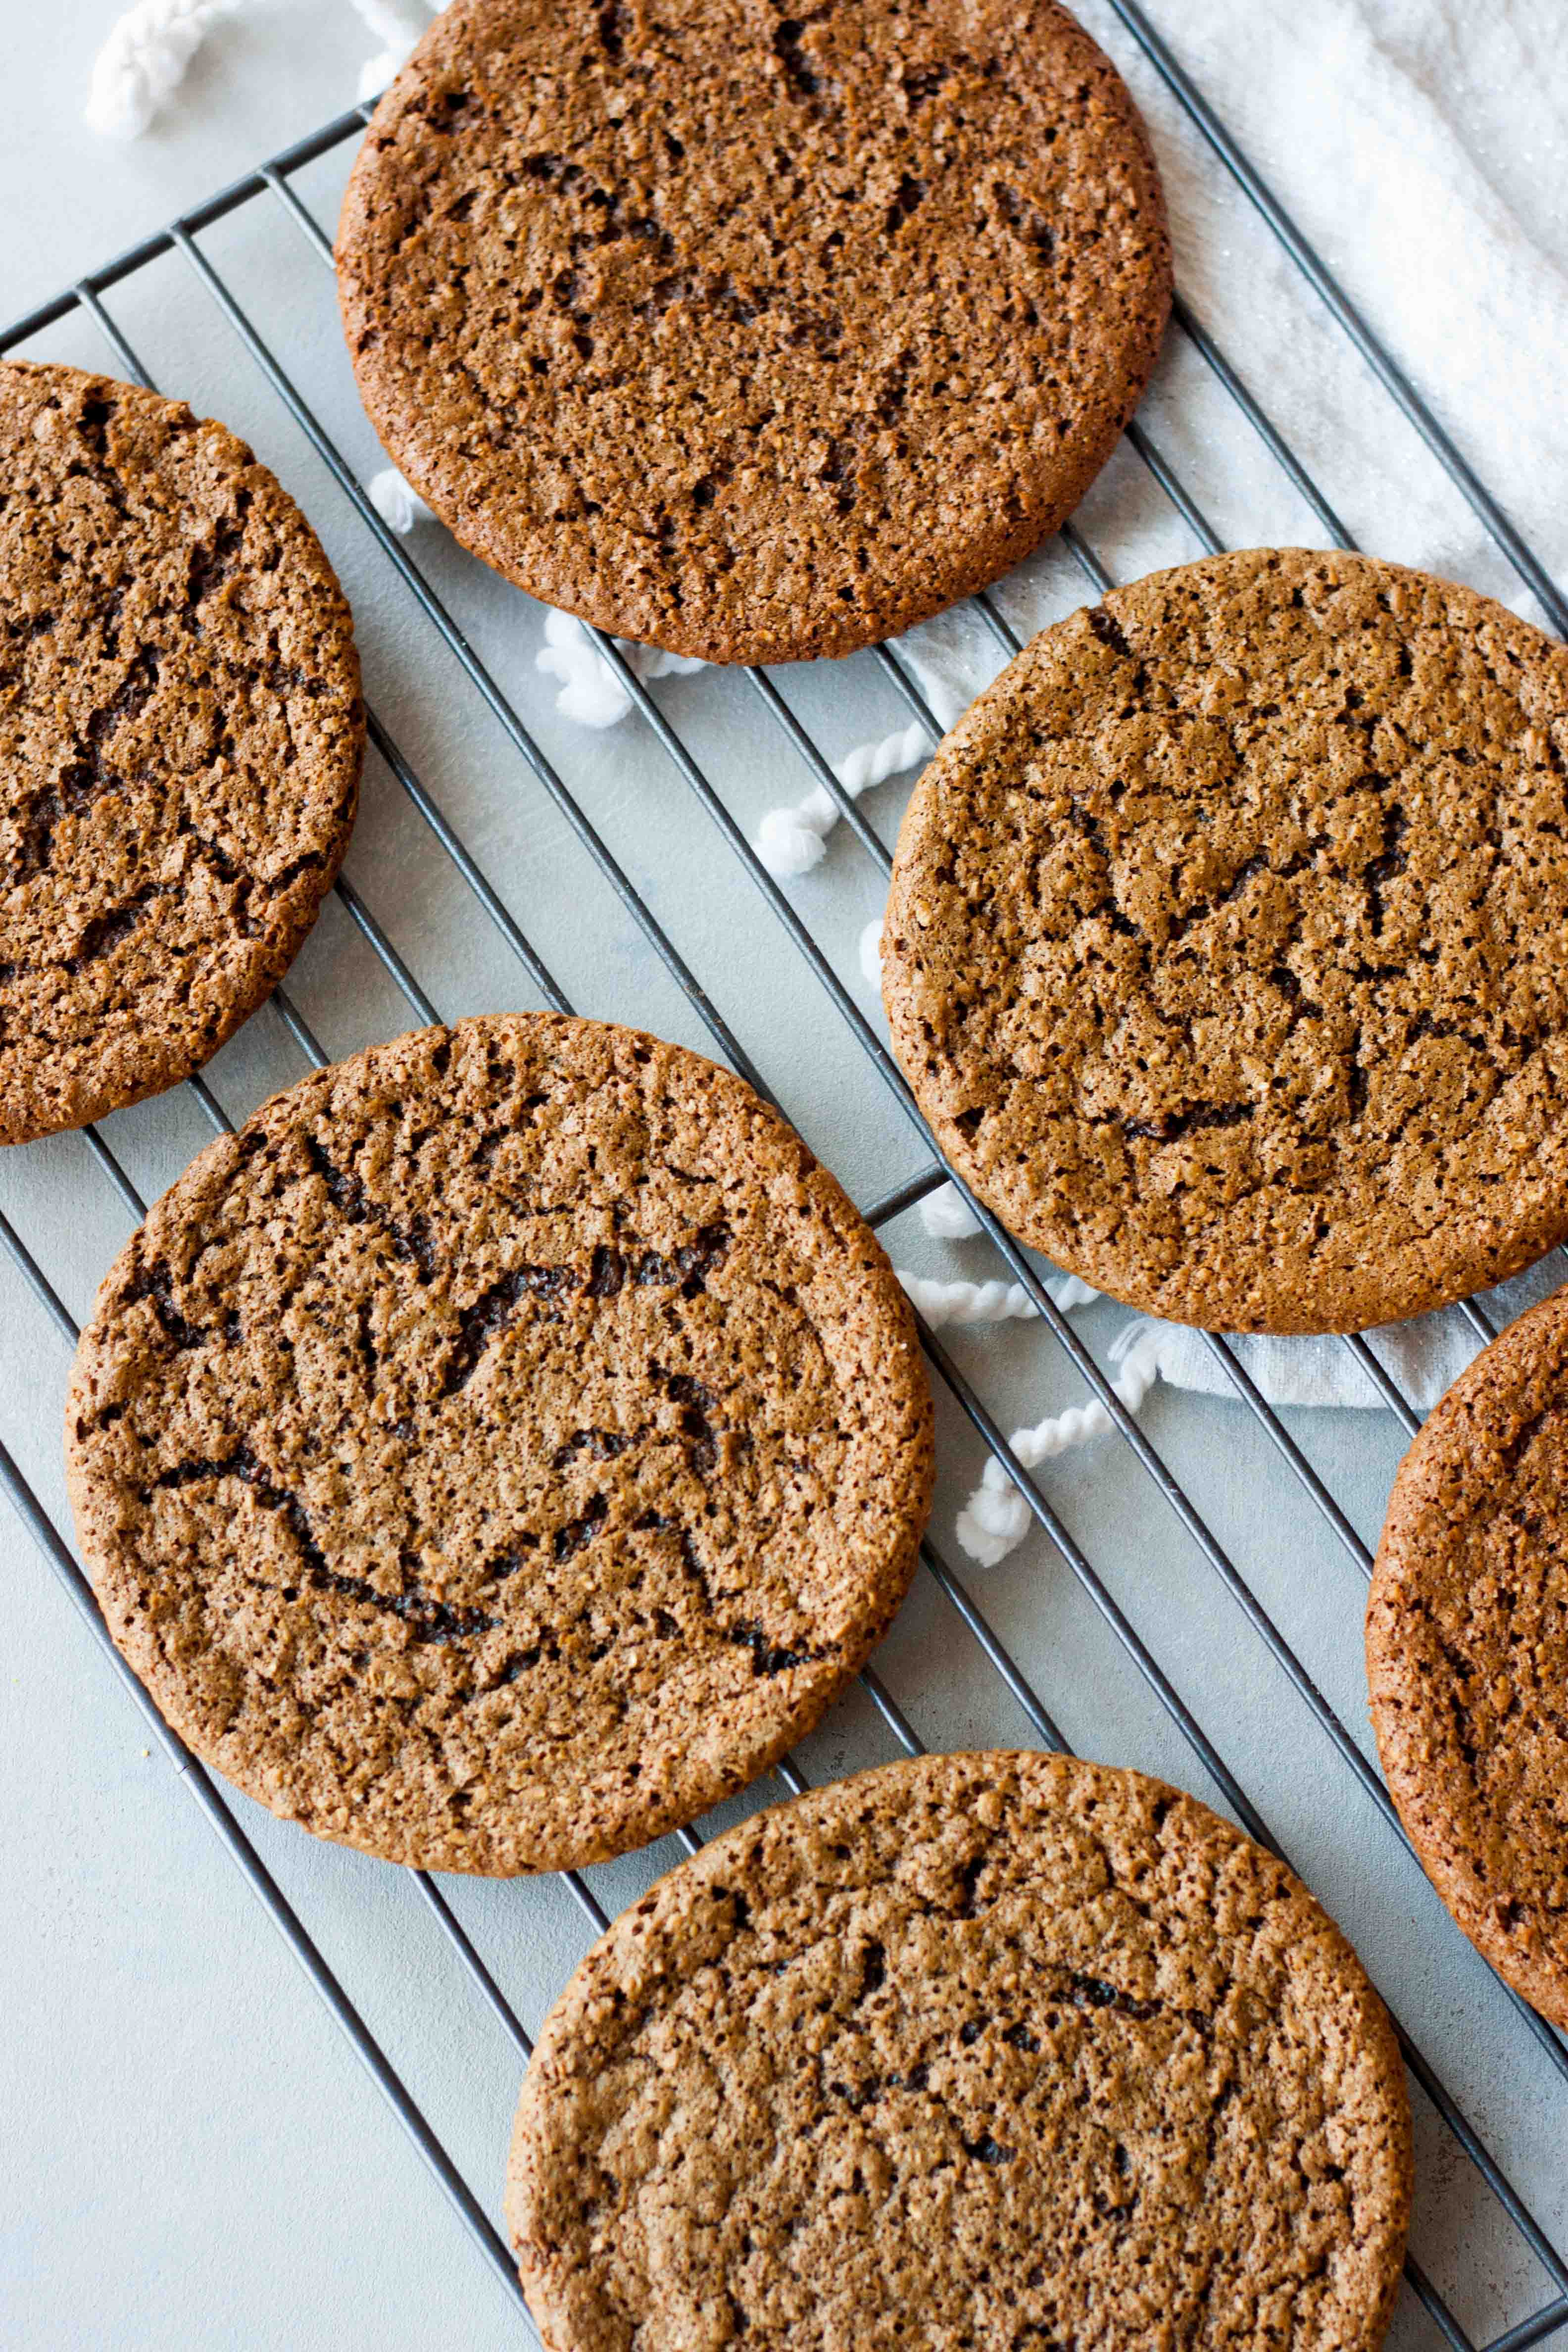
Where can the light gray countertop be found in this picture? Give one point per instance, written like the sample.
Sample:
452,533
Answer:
190,2154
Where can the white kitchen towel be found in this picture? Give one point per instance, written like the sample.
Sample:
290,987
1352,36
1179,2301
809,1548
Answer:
1423,1356
1421,144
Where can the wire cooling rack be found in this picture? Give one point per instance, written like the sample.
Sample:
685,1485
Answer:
272,184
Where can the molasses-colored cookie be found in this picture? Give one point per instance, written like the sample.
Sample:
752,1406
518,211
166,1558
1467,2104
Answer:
1467,1652
180,741
996,2050
753,336
1227,947
503,1447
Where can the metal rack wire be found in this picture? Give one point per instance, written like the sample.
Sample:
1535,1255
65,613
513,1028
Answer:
272,182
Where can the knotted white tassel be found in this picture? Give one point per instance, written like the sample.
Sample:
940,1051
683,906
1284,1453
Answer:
942,1303
591,693
150,48
144,60
397,502
790,841
947,1215
995,1518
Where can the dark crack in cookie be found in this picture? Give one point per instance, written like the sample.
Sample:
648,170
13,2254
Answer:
503,1447
180,741
753,336
1467,1652
998,2049
1226,952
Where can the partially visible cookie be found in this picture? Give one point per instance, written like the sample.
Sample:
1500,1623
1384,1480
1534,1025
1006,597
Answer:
180,741
1467,1652
998,2049
503,1447
1228,946
750,335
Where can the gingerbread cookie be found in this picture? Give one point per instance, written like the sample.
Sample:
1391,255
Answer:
1467,1652
180,741
979,2050
503,1447
1226,948
749,336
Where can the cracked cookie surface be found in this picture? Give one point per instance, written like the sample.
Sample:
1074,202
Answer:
1000,2050
180,741
1467,1651
503,1447
1225,952
748,335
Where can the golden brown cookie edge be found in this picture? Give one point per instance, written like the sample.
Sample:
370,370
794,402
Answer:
1439,1847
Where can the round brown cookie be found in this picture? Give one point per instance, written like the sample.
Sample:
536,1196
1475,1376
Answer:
753,336
180,741
502,1448
1467,1652
998,2050
1226,947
